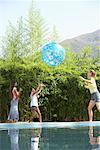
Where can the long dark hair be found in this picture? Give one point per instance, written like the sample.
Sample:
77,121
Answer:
12,85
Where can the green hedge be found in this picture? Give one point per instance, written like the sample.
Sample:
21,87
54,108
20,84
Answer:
63,98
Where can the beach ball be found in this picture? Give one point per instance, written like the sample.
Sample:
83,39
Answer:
53,54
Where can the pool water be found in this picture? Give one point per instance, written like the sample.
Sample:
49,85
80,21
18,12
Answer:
51,138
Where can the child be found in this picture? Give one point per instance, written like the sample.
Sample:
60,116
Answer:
14,114
34,102
95,95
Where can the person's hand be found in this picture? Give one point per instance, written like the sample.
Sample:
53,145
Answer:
42,85
81,78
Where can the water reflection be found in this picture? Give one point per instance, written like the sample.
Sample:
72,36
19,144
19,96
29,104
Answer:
94,138
14,138
35,136
83,138
29,139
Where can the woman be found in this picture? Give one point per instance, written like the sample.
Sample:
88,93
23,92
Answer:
95,95
34,102
14,114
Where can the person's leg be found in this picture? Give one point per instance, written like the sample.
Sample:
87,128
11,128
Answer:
32,116
90,107
98,106
39,113
98,140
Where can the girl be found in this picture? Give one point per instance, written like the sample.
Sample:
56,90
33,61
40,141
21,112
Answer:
34,102
14,114
95,95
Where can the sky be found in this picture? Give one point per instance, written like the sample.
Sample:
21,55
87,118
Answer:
71,17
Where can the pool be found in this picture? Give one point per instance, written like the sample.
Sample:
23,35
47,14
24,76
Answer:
50,136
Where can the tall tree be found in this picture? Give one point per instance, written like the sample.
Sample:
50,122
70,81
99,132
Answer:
14,45
27,36
55,34
37,29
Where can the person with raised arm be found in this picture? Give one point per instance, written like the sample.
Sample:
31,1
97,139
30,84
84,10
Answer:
15,94
34,102
90,84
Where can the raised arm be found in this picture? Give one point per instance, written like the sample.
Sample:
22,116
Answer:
15,92
85,80
39,91
39,88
